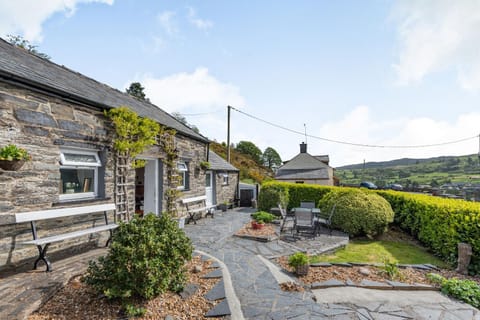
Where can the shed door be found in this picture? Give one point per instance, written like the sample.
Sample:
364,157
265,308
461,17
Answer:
246,196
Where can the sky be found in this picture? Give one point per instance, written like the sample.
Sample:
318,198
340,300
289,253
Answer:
381,73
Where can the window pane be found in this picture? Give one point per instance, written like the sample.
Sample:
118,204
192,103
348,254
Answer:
182,166
85,158
208,179
77,180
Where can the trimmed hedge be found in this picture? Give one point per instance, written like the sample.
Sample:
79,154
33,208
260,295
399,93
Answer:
358,212
439,223
295,193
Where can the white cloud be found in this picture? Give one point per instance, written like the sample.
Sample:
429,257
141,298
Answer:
25,17
168,23
436,35
199,23
360,127
192,93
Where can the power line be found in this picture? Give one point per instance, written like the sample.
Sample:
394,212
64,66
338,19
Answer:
353,143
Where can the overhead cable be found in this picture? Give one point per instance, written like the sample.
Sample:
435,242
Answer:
353,143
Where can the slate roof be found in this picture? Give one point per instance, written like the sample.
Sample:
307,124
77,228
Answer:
303,166
217,163
18,66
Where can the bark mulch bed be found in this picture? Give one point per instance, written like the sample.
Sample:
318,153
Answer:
267,233
78,301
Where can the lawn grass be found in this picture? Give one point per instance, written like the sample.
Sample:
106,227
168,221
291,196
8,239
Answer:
371,251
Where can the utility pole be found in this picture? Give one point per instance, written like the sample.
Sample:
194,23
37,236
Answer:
228,133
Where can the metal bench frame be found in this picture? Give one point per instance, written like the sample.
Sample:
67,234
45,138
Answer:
43,243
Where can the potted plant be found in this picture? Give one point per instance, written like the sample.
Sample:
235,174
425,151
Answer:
223,206
204,165
299,261
12,157
257,224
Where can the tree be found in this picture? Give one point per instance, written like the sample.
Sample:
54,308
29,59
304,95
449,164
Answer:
136,90
249,148
182,119
271,158
18,41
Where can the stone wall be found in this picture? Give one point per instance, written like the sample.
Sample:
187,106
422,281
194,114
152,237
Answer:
42,125
226,192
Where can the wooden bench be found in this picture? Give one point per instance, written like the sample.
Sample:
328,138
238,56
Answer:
44,242
197,205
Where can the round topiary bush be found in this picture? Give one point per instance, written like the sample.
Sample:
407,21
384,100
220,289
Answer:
357,212
146,257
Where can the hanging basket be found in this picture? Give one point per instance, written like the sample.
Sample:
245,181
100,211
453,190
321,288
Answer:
12,165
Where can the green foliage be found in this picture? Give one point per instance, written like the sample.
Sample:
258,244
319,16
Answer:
438,223
133,134
146,257
133,311
136,90
263,216
391,269
25,44
358,212
271,158
11,152
205,165
271,194
297,259
249,148
465,290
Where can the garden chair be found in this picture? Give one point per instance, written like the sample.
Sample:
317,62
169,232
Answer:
305,221
327,220
307,204
285,216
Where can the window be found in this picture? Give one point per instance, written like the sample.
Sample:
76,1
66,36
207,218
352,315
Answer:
78,174
225,178
182,168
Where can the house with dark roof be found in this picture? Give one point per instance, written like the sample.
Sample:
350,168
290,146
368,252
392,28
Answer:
305,168
57,115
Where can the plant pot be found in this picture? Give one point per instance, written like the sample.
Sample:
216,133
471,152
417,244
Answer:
257,226
302,270
13,165
181,222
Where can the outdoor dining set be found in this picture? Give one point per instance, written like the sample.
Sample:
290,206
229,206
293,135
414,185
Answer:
306,218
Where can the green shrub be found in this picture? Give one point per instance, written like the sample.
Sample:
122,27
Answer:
263,216
297,259
465,290
146,257
271,194
358,212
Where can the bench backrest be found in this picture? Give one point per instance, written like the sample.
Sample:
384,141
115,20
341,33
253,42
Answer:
62,212
194,199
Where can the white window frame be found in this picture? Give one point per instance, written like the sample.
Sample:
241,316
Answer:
182,168
67,164
225,179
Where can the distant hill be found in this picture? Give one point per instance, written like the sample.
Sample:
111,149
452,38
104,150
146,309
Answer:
433,171
250,171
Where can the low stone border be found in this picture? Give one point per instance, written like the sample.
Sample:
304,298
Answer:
368,284
257,238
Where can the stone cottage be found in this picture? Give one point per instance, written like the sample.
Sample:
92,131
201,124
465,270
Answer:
57,115
305,168
223,179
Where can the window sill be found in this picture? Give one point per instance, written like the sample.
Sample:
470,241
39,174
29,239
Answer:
80,201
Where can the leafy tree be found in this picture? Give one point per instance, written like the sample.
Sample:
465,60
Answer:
182,119
25,44
136,90
249,148
271,158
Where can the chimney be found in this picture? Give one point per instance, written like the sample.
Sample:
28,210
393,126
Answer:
303,147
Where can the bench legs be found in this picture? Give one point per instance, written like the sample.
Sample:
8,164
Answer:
42,256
